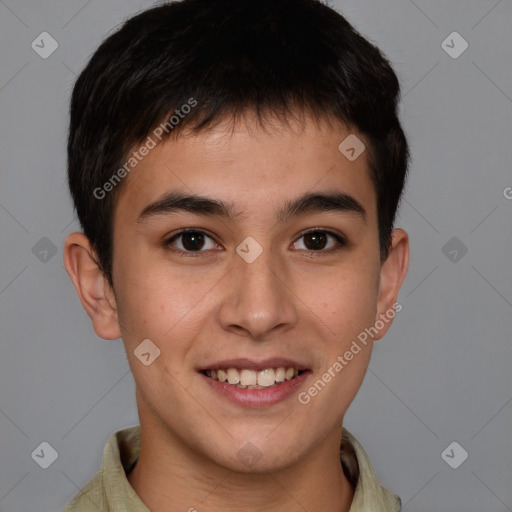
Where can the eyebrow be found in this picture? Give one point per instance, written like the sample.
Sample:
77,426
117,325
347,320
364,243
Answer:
315,202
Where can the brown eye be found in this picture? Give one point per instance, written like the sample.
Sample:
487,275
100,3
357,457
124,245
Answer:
315,241
192,241
320,241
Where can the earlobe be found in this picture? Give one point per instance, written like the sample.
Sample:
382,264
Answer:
91,285
392,275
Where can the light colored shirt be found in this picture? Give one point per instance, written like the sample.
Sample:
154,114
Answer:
110,491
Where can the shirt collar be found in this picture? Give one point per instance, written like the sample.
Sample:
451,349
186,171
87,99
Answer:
123,448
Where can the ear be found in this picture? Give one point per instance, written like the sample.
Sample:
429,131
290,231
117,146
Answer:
92,287
392,275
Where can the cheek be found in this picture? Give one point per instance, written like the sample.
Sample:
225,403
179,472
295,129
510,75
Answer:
345,300
141,308
160,306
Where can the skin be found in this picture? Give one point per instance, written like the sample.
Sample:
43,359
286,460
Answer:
287,303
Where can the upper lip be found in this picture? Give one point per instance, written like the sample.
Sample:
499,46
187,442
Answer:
253,364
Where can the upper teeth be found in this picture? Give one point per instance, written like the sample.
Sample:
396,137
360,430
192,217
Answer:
245,377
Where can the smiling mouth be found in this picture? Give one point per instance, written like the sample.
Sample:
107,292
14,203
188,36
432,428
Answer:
251,379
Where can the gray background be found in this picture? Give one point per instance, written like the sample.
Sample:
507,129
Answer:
442,374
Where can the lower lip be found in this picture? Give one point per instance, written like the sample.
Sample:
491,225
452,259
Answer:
257,397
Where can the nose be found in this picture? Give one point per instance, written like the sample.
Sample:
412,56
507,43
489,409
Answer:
259,301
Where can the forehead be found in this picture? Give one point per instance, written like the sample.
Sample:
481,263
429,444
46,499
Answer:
252,167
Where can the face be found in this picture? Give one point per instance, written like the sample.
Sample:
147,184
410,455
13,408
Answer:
276,274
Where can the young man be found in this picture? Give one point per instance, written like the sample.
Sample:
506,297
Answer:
236,167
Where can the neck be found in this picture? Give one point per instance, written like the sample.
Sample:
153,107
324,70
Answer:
169,476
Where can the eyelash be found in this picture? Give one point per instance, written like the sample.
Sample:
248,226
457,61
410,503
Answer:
340,239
